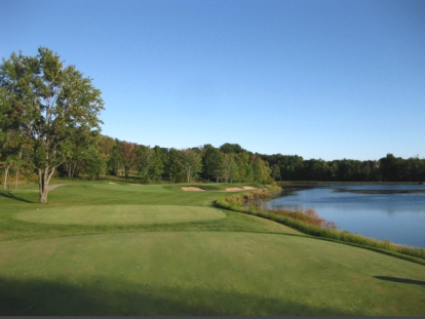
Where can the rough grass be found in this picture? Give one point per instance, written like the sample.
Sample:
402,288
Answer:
238,265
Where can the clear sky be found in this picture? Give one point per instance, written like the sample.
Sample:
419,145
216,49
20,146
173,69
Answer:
319,79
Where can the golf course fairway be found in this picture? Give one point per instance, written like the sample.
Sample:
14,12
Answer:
120,214
95,250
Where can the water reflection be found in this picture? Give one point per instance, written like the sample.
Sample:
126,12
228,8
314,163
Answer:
393,212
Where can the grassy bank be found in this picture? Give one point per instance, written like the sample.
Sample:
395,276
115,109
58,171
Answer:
309,223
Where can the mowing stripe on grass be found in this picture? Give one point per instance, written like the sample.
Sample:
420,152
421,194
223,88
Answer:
119,214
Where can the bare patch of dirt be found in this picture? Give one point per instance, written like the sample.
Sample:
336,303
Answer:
192,189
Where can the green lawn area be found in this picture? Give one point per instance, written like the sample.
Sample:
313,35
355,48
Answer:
120,214
102,249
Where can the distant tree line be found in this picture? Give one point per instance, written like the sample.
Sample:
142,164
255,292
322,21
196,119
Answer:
228,163
386,169
108,156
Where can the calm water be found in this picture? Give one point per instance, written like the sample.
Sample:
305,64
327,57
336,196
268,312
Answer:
399,218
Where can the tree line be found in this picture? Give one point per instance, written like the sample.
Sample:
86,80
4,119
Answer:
386,169
49,123
205,163
231,163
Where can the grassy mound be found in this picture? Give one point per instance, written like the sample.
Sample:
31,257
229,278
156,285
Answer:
119,214
200,273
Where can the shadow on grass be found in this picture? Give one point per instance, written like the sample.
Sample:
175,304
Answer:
402,280
102,297
11,196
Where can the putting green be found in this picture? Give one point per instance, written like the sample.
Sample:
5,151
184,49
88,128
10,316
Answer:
204,273
120,214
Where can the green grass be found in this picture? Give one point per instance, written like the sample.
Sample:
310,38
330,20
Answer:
119,214
81,255
305,224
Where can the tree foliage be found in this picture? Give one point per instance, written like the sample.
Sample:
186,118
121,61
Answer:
191,162
47,103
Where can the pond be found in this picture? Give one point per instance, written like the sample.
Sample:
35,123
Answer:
393,212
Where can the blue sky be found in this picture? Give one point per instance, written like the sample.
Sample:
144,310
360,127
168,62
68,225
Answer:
319,79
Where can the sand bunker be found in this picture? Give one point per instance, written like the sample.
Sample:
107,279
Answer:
248,188
234,189
192,189
112,183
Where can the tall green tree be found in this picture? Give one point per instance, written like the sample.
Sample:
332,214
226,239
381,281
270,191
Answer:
145,161
115,159
81,148
104,146
275,171
128,154
229,168
211,162
158,164
260,169
48,101
191,163
229,148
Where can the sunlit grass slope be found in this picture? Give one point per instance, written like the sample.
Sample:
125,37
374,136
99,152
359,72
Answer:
204,273
234,265
120,214
83,203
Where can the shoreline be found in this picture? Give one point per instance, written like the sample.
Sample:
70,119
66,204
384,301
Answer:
378,191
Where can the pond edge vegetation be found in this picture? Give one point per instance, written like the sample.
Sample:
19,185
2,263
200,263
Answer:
309,223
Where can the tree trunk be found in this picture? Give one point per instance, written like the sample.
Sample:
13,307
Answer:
188,173
16,178
44,175
17,170
6,175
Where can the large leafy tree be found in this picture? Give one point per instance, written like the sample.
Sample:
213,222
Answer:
104,146
145,160
228,167
211,162
47,103
128,154
81,150
174,165
115,159
158,164
191,162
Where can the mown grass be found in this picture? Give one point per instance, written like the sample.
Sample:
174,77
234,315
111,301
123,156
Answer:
309,223
81,194
204,273
237,265
120,214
